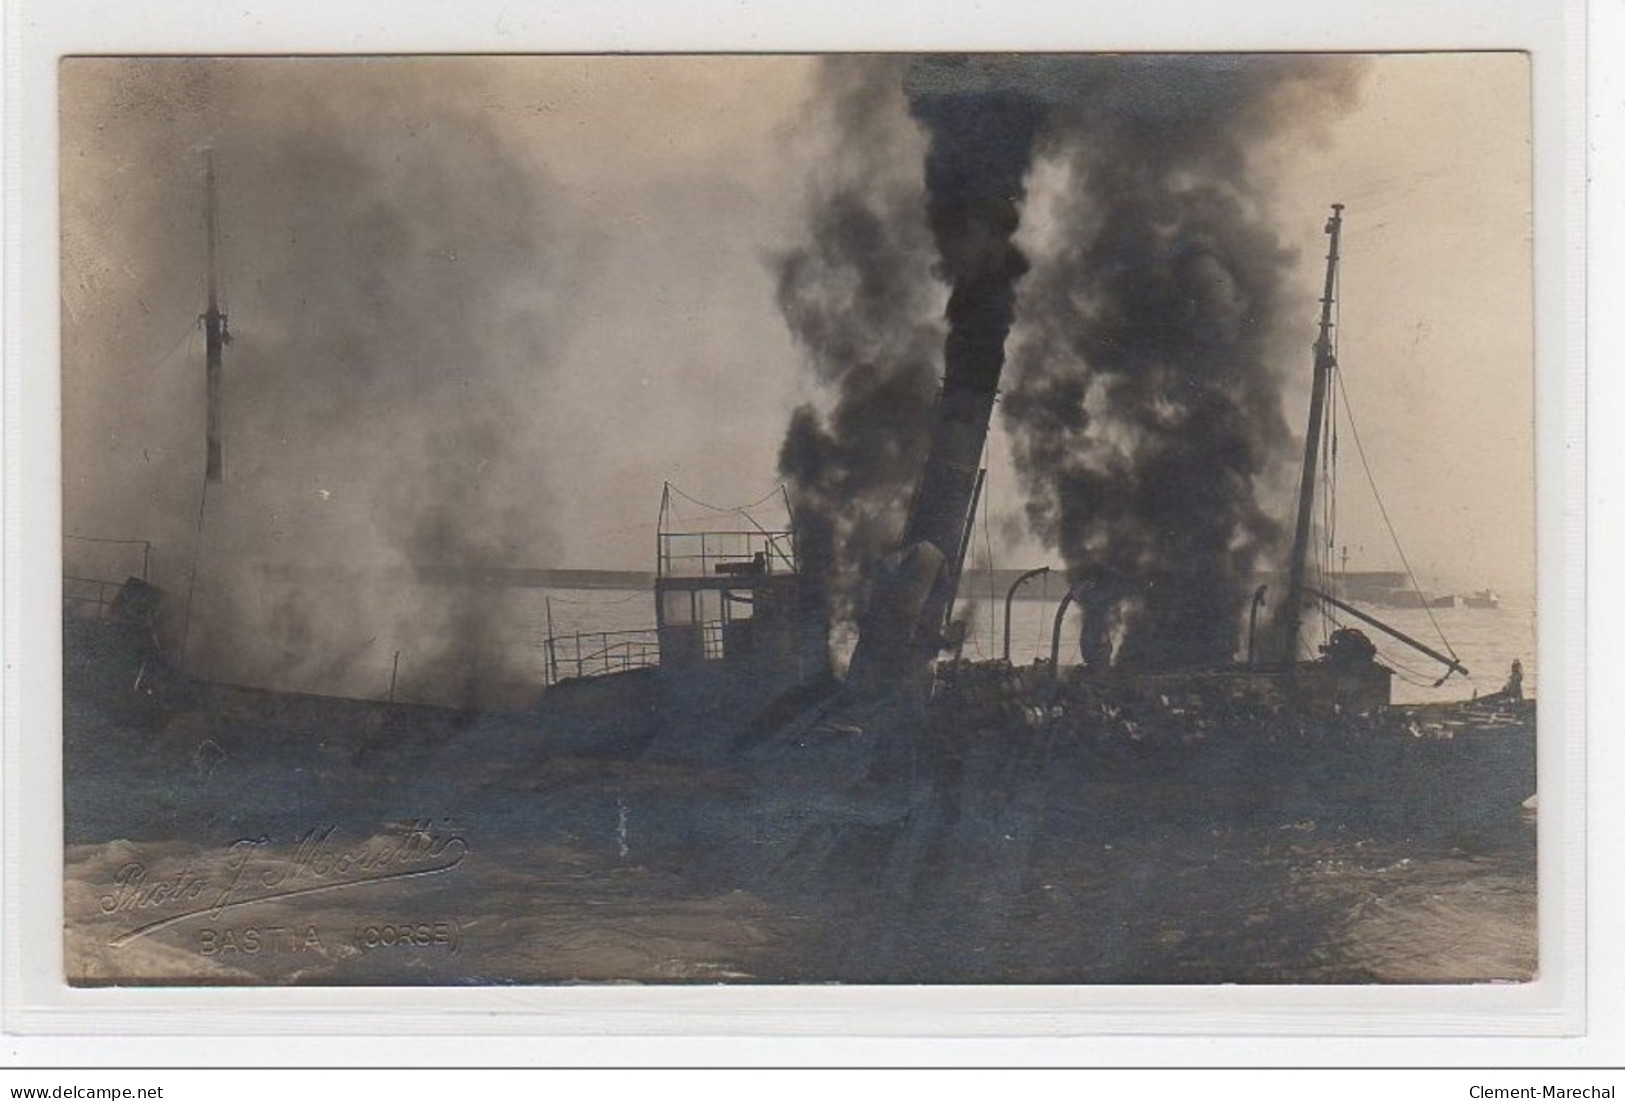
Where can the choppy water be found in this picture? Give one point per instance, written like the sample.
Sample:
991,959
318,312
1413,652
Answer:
1041,864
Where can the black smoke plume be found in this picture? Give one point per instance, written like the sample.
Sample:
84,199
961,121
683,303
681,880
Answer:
1147,359
981,144
1156,340
859,300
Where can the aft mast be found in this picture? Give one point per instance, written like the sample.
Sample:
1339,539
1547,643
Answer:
1297,591
215,332
1325,363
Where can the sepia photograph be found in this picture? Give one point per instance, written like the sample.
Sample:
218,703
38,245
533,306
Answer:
770,519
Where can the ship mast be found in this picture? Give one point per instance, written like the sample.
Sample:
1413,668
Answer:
1325,363
216,334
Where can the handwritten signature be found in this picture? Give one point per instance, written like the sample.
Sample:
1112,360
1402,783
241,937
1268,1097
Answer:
253,875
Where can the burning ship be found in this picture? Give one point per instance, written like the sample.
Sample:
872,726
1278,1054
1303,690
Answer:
921,799
1339,699
741,655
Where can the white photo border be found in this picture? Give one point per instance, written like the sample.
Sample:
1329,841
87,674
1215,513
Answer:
1178,1023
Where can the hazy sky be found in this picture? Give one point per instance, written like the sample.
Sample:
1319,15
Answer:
612,224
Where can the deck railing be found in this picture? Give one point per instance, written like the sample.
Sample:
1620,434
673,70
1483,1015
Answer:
594,653
706,553
89,597
95,569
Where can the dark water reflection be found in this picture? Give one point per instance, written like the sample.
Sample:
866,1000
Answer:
811,859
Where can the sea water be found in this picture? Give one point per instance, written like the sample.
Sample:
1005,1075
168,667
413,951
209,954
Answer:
1272,895
1485,640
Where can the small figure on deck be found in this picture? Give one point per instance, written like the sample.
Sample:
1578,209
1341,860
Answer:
1514,685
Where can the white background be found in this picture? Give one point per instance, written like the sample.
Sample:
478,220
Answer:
1215,1027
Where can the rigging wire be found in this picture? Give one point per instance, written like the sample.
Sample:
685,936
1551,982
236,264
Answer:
1329,445
1329,439
778,490
1348,412
197,538
1320,571
186,336
992,585
191,583
768,496
987,545
640,594
1411,675
1328,462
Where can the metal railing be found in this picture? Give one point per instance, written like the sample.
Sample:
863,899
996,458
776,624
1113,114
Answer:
594,653
703,553
143,544
89,597
92,597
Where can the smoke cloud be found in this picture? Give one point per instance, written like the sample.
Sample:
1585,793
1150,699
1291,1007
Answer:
1157,337
860,301
391,278
981,142
1147,359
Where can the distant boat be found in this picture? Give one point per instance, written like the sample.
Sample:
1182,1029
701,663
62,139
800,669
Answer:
1448,600
1483,598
